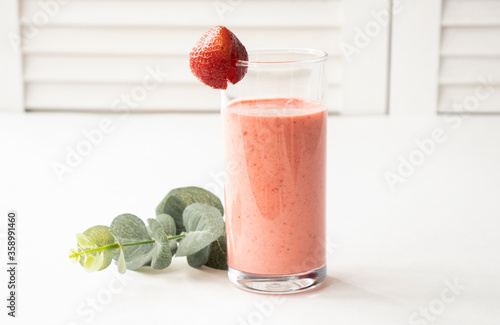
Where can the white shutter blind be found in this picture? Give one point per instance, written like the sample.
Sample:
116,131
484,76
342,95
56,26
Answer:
446,57
91,53
470,56
11,83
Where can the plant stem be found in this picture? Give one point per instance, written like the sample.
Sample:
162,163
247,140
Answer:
117,246
177,237
139,243
110,247
103,248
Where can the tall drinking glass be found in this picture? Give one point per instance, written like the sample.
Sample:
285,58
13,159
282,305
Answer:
275,146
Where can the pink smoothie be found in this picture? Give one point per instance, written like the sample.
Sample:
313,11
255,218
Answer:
275,191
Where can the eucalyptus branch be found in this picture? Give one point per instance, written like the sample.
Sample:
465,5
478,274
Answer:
188,223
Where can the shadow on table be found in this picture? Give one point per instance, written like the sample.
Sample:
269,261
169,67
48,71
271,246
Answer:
333,287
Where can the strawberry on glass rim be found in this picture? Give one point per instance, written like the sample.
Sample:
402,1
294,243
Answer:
213,59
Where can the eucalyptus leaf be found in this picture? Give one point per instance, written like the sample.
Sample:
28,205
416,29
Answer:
173,246
178,199
168,225
119,257
204,224
198,259
93,262
162,255
167,222
84,242
92,238
127,229
218,254
122,265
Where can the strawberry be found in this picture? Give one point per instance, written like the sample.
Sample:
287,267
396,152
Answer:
213,58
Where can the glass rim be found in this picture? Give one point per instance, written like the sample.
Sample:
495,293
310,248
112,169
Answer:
315,57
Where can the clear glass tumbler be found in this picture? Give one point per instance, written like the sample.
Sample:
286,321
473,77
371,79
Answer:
275,192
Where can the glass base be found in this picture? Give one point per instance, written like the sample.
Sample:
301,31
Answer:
277,284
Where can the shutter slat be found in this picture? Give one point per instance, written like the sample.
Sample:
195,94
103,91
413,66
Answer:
468,70
471,41
170,41
466,97
471,13
105,97
122,69
58,96
189,13
104,69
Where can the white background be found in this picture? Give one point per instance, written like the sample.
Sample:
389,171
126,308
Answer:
391,250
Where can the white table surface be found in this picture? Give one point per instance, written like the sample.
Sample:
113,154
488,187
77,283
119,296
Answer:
393,257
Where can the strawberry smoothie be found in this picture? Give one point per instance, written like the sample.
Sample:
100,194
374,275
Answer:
275,191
